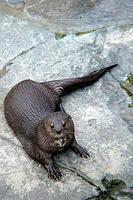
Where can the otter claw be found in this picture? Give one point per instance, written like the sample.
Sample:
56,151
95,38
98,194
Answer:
80,151
54,172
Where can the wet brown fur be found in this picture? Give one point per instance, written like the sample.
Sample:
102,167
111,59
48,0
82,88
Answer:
34,113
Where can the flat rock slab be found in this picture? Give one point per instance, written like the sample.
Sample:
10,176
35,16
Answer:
101,115
18,4
72,16
75,16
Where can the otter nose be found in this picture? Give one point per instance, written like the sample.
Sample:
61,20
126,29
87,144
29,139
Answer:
58,131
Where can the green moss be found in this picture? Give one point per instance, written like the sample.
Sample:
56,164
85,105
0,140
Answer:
130,78
114,185
130,105
83,33
113,190
128,87
59,36
125,86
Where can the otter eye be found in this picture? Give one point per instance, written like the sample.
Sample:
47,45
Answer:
52,125
64,123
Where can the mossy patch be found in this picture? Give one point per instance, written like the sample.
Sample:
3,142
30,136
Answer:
128,87
130,78
113,190
84,32
59,36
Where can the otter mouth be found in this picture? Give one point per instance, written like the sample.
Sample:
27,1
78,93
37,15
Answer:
61,142
57,137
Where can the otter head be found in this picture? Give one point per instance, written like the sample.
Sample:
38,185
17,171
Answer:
57,131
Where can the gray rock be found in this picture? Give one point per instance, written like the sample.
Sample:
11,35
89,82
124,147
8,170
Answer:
76,15
17,4
72,16
100,112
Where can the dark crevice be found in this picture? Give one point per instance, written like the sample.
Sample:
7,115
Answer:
80,174
110,189
10,62
3,71
114,78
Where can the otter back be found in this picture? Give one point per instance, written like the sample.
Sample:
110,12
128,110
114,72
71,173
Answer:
27,104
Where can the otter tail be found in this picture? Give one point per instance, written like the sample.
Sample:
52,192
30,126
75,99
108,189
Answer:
62,87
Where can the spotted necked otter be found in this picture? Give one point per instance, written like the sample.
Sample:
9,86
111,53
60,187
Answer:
35,114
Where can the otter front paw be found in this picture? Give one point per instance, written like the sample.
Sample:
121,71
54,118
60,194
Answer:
53,172
80,151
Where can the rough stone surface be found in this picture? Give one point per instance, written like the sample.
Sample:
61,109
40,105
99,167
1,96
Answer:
16,3
72,16
103,121
75,16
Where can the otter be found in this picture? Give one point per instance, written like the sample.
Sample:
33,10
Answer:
35,113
